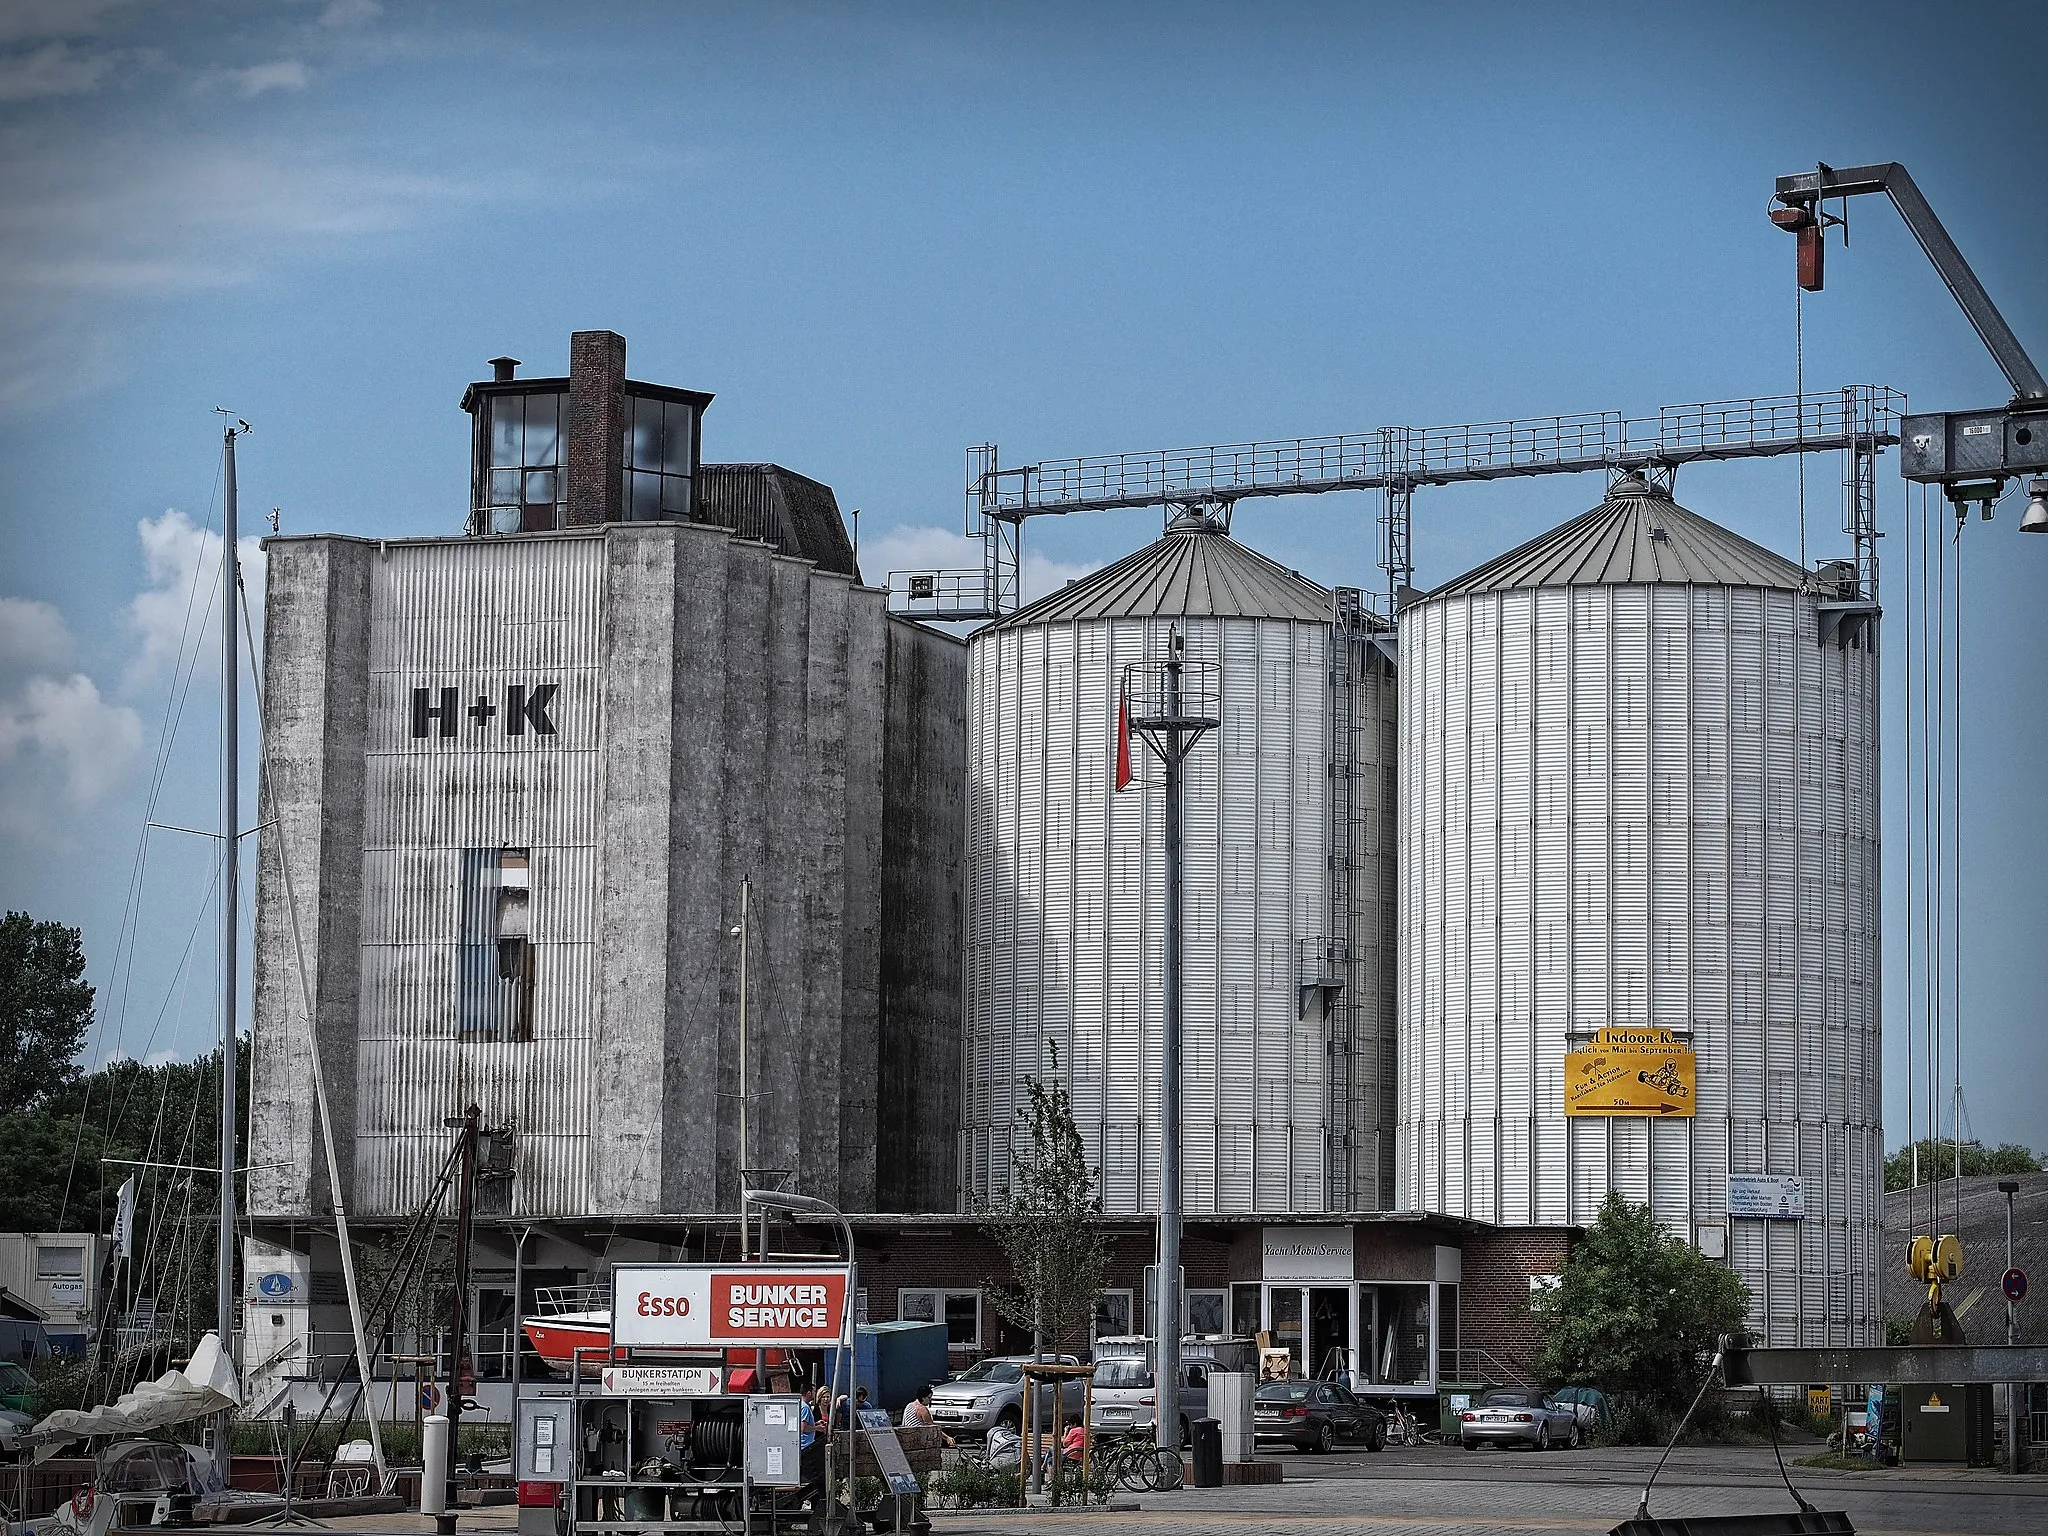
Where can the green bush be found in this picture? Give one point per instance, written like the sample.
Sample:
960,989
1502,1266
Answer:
966,1485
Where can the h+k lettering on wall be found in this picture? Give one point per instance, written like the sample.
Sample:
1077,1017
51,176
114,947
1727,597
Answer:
524,709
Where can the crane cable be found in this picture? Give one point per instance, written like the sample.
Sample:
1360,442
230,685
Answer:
1906,687
1799,395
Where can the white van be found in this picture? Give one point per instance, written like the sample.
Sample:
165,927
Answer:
1124,1395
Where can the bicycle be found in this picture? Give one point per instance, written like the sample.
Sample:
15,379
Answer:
1135,1462
1403,1428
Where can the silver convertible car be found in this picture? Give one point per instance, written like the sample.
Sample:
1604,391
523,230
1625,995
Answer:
1513,1416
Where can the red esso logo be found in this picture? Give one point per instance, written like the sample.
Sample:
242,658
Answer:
651,1305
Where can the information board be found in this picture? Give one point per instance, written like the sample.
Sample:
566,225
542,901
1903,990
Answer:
1769,1195
1648,1072
695,1306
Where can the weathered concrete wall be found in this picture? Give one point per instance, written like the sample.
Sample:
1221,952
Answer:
634,960
726,713
867,623
924,844
315,698
700,802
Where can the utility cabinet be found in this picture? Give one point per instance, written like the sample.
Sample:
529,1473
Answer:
1945,1424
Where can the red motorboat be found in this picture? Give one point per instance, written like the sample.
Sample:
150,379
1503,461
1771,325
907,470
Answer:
572,1317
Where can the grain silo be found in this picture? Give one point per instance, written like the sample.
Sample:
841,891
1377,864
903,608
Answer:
1288,1026
1639,792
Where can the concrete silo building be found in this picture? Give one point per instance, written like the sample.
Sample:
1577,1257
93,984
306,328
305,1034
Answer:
1639,791
520,774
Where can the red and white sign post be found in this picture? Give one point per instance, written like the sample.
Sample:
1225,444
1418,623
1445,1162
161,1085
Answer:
716,1306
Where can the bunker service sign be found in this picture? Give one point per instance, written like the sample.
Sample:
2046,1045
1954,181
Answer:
1646,1072
718,1306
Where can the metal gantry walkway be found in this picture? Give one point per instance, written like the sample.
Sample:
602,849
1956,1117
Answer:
1857,421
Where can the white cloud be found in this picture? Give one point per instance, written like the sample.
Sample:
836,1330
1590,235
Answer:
39,19
922,547
177,612
88,224
33,638
63,748
277,75
54,69
350,13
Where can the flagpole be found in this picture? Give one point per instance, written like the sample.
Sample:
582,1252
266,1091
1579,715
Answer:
230,830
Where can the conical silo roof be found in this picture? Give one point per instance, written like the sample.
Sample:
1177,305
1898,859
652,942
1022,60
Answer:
1637,535
1195,570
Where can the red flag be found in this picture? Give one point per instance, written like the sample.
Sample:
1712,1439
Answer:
1123,734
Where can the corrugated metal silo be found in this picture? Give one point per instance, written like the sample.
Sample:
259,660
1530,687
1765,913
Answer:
1065,904
1639,789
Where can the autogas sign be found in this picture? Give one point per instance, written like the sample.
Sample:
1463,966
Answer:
682,1306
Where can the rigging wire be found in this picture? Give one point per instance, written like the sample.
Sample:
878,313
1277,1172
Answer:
131,908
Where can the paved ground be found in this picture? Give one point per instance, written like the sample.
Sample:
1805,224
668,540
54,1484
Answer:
1435,1491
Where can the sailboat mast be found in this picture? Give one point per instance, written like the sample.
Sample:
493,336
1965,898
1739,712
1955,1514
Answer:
230,843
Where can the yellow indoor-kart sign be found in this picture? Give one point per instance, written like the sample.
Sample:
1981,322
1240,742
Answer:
1630,1072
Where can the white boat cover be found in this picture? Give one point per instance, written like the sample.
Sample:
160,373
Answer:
205,1386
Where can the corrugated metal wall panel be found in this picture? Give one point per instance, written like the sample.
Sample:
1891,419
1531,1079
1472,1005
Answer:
1065,924
474,617
1656,805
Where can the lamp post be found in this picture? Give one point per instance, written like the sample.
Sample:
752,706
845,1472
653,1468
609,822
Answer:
2013,1389
811,1205
1171,732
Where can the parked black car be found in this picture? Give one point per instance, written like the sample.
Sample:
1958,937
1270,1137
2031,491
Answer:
1314,1416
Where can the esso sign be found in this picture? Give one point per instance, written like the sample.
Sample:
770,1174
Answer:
654,1304
718,1306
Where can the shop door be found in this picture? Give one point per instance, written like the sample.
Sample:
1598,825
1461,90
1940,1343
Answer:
1284,1313
1329,1331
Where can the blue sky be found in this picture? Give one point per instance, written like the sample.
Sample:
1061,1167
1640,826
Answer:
883,233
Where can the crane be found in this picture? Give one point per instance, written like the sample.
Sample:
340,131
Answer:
1969,454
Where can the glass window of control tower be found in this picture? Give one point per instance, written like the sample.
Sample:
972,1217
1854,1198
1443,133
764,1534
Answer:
523,488
660,436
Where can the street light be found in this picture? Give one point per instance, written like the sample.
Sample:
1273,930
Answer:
810,1205
2035,518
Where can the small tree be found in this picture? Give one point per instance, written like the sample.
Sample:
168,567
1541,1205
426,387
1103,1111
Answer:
45,1010
1636,1310
1048,1223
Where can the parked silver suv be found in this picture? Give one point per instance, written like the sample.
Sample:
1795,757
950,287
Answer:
991,1392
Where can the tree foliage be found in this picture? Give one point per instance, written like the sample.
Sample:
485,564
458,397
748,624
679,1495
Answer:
54,1177
45,1010
1938,1161
1048,1223
1637,1310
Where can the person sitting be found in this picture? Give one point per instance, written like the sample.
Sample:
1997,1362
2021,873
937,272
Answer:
1075,1441
919,1412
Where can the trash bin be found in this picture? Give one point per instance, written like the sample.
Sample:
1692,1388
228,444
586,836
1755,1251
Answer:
1205,1439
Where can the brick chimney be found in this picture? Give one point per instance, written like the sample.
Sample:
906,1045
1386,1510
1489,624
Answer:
597,426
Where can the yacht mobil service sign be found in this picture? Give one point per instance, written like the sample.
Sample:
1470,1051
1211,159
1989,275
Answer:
698,1306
